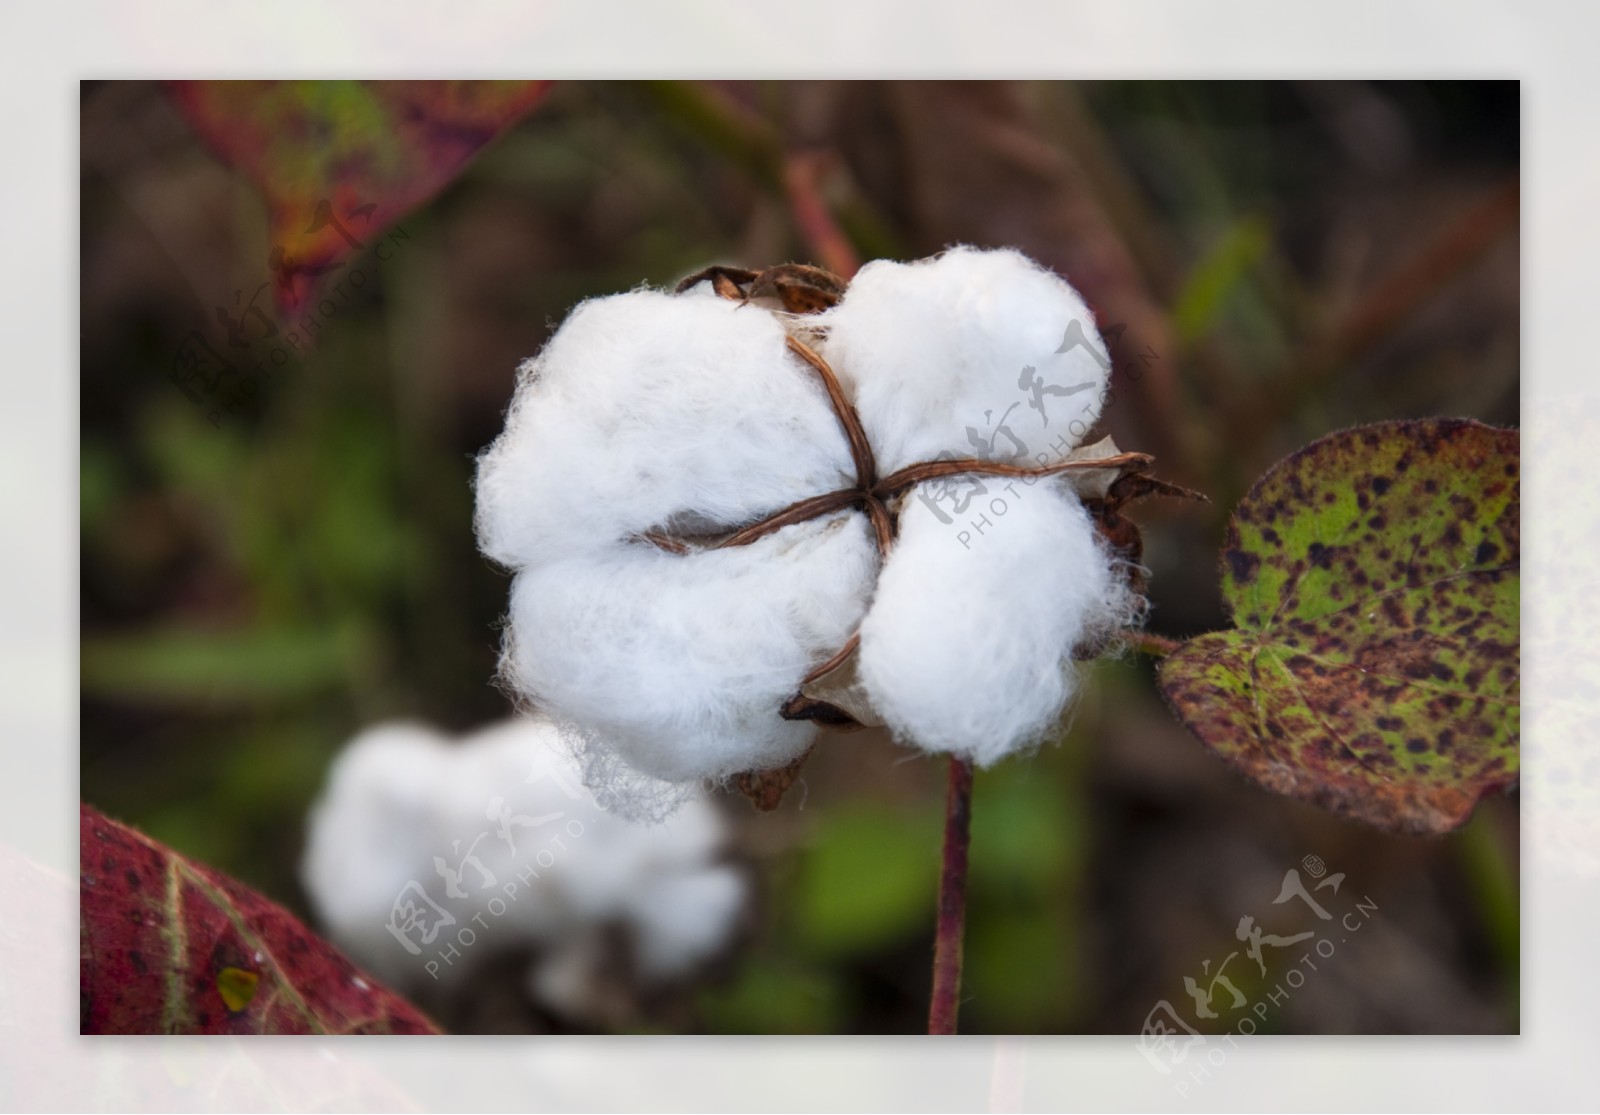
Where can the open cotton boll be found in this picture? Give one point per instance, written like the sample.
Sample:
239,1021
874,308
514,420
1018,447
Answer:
653,425
502,817
680,664
963,354
968,646
648,410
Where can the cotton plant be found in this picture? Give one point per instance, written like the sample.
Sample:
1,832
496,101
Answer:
427,857
766,504
706,496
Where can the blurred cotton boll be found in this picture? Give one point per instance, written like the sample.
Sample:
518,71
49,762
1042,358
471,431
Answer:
430,858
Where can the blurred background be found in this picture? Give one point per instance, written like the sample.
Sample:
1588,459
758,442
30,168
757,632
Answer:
265,570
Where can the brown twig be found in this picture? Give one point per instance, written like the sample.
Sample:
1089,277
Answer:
1382,308
945,1001
1406,289
802,174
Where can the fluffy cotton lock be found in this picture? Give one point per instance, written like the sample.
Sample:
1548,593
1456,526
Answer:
657,415
650,410
679,664
677,413
496,834
971,353
967,648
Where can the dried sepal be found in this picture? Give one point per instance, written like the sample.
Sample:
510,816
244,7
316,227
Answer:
796,288
1122,534
765,788
832,694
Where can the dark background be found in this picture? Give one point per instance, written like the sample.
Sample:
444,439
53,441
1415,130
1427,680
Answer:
1297,257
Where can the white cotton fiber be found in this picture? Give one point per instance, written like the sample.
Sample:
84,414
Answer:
685,417
402,799
651,410
968,646
680,664
951,354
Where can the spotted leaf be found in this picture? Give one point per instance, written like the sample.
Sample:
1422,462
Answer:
1373,579
170,946
338,162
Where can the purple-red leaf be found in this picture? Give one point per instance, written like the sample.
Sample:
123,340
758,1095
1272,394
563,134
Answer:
338,162
170,946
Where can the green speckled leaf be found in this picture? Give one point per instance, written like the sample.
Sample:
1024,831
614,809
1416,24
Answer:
1373,579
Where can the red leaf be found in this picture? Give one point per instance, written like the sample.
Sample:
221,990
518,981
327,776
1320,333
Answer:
339,162
170,946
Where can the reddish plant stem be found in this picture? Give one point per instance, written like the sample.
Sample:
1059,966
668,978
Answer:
802,178
1156,646
946,998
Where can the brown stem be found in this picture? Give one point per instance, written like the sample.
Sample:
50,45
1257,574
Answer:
946,998
1156,646
1399,295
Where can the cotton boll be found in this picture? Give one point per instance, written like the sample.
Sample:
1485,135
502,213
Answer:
399,796
649,410
680,663
681,925
404,807
960,354
967,648
650,419
616,859
367,834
